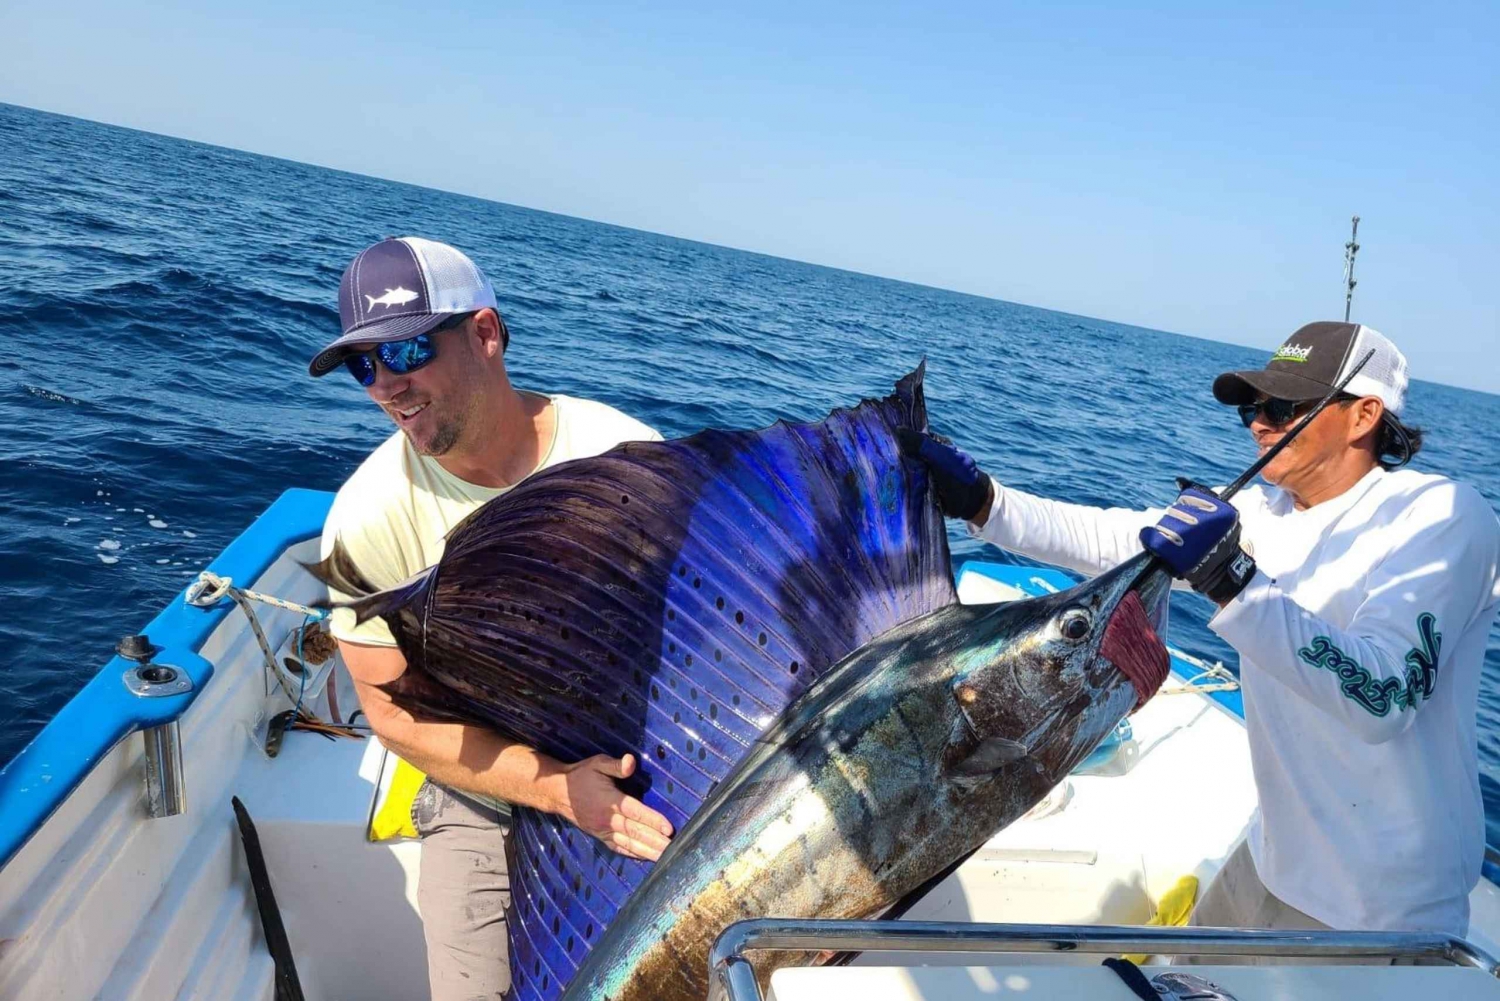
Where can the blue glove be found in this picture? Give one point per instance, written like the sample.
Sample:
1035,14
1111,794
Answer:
963,490
1198,538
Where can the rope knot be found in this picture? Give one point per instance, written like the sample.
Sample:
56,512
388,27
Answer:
209,589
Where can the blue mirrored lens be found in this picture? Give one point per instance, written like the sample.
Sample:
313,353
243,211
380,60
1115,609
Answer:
400,357
406,356
362,368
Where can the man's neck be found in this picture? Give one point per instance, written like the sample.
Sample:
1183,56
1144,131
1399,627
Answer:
507,444
1329,484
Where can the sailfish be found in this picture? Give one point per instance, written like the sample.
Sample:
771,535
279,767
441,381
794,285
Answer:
768,619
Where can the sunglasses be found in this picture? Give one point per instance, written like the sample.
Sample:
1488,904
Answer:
1279,413
401,357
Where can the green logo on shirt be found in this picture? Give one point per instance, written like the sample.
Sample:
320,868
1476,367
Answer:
1375,697
1378,697
1421,665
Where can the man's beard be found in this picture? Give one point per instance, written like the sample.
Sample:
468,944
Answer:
442,440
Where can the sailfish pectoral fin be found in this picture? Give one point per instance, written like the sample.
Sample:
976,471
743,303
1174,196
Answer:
989,757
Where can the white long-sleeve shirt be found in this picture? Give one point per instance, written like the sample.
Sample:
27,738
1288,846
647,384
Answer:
1361,641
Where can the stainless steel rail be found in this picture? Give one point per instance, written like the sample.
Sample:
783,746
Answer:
732,977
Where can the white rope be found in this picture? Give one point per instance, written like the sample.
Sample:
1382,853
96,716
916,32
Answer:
209,589
1213,677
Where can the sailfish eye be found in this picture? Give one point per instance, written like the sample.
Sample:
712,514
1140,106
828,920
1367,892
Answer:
1076,624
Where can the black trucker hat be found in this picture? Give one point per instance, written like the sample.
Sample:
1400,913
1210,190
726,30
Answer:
1318,357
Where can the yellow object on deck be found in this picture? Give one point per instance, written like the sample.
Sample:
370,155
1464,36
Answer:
1173,910
393,819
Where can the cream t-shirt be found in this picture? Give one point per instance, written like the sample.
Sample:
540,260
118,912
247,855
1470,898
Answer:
394,513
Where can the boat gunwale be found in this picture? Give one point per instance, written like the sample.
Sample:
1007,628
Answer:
40,778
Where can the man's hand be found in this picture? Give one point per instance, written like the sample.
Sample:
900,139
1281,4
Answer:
597,805
962,488
1198,538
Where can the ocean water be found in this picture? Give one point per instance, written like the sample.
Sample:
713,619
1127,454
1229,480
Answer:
160,300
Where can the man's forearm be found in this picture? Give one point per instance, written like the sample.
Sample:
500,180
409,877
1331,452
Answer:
475,760
1087,539
479,761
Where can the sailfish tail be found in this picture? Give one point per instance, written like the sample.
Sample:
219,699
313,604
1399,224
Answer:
342,575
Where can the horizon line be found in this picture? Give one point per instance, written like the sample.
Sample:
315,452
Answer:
687,239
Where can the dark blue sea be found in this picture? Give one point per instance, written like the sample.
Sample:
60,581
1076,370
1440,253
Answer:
160,300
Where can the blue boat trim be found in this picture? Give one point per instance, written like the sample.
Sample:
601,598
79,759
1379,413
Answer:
36,781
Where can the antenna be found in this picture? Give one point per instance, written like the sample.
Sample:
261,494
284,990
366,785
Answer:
1350,249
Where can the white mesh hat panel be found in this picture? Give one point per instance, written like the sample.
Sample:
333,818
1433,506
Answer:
1384,375
454,283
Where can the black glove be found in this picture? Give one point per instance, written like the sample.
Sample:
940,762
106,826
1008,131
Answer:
963,490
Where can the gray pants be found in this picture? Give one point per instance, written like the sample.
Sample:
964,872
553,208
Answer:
463,890
1238,899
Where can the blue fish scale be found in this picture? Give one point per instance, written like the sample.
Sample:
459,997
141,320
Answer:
669,600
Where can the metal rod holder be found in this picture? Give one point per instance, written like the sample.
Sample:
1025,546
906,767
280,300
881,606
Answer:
166,792
732,977
166,788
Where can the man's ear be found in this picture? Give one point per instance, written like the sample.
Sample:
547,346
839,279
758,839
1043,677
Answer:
486,327
1368,411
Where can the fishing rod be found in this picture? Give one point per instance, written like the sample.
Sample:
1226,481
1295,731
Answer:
1156,562
1350,249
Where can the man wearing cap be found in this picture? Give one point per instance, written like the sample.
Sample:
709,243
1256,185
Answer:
422,334
1359,596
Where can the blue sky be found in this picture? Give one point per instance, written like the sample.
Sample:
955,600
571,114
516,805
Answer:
1178,166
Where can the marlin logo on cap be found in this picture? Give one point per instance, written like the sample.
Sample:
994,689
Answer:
397,296
1292,352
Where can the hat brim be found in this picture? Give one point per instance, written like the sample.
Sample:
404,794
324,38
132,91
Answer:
1238,388
397,328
